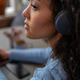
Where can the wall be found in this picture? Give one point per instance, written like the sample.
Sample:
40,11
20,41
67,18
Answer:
18,5
15,6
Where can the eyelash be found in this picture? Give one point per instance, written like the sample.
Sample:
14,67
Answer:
33,7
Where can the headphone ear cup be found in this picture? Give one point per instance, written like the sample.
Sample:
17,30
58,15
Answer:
62,21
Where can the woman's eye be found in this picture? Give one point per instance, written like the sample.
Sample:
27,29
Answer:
34,7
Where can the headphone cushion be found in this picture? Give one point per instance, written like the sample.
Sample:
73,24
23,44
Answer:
62,23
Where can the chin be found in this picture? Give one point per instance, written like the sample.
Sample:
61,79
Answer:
32,37
29,36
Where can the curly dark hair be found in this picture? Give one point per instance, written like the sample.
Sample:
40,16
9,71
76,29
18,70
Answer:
68,47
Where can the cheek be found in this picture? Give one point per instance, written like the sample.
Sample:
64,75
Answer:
41,25
39,21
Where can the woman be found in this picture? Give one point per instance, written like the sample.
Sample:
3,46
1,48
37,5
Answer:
58,21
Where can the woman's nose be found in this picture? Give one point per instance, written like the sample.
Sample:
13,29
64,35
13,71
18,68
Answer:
26,12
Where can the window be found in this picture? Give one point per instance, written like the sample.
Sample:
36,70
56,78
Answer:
14,5
10,7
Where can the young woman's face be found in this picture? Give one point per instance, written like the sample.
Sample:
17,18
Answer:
39,20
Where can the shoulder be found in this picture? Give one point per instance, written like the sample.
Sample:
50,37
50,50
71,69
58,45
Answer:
53,71
57,71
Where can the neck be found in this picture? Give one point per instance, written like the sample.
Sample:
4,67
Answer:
54,40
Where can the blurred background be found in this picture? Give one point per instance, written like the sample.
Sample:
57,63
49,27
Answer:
14,6
11,12
12,33
11,19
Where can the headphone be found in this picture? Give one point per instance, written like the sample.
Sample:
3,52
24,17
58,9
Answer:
62,22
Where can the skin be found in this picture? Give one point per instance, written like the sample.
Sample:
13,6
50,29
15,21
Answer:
39,23
39,19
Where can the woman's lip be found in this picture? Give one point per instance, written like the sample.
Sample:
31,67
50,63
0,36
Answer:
26,26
